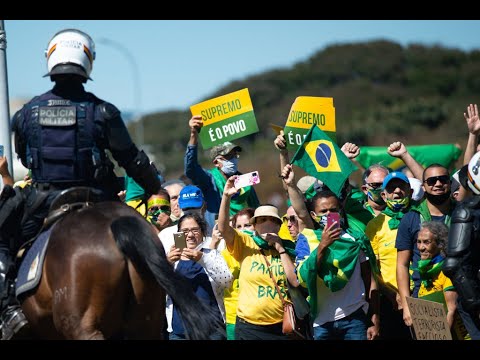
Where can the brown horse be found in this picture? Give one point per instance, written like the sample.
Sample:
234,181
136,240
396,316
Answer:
105,276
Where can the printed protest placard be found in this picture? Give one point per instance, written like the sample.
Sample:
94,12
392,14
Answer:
429,319
306,111
226,118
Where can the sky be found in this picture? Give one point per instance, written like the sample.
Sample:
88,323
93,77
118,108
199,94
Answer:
145,66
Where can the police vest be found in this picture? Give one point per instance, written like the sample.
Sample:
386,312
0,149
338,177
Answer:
60,140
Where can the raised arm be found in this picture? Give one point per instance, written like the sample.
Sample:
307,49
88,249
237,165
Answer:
281,145
6,177
192,168
224,212
195,124
397,149
296,196
473,125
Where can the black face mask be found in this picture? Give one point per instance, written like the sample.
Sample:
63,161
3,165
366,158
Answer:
437,199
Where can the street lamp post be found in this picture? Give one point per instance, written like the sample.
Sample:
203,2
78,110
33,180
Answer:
136,85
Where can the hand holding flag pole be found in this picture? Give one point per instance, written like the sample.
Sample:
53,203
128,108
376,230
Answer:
321,158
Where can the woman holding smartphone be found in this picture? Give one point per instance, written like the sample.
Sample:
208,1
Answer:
263,255
205,268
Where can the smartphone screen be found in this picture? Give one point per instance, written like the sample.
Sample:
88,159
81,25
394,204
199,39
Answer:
2,150
180,240
332,217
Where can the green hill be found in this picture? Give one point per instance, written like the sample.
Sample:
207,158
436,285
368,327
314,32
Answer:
382,92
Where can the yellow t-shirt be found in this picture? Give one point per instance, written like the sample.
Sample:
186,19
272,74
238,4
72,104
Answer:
440,283
258,299
382,240
436,293
230,297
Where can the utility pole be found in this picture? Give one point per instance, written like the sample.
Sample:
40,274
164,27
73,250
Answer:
5,134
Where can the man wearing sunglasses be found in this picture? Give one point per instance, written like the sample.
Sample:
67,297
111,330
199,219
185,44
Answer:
225,159
437,206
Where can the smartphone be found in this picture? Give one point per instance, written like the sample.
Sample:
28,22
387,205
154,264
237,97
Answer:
332,217
180,240
2,150
248,179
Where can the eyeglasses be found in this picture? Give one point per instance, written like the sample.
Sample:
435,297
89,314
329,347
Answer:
444,179
375,185
195,231
291,218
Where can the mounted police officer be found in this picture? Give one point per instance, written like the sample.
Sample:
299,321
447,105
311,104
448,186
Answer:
61,136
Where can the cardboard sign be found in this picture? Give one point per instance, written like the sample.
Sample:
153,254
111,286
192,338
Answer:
226,118
429,319
306,111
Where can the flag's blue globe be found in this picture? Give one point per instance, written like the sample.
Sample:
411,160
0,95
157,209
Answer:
323,155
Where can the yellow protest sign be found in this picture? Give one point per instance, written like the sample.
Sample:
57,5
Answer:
306,111
226,118
429,319
309,110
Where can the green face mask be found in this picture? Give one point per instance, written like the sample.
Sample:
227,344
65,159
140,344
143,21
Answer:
398,204
375,196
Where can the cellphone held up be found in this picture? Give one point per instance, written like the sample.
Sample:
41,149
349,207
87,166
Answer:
180,240
248,179
333,217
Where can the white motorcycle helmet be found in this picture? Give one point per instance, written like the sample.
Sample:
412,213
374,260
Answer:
473,174
70,51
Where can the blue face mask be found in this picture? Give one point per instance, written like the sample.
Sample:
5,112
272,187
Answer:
229,167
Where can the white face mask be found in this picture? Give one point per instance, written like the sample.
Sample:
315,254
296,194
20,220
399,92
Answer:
229,167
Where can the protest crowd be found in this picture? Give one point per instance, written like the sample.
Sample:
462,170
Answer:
395,258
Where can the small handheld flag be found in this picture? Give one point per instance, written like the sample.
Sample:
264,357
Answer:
320,157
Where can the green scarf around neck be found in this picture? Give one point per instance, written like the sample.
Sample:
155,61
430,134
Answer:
396,216
263,244
341,258
239,200
429,270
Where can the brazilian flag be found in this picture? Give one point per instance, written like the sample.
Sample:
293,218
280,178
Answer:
320,157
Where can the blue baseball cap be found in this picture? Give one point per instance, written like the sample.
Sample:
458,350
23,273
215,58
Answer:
190,197
395,175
